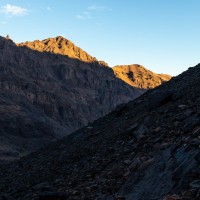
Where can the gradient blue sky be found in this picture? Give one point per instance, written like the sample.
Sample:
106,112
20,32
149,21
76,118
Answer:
162,35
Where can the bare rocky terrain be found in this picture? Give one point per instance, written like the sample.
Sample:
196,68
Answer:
62,46
147,149
140,77
45,96
50,88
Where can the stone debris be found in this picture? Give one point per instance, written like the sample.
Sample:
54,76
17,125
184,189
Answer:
143,162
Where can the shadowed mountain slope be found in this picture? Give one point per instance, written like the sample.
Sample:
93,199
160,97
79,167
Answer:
50,88
45,96
140,77
146,149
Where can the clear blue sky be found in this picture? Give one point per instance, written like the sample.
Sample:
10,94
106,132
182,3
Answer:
162,35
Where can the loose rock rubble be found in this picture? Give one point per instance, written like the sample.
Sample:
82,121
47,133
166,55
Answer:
148,149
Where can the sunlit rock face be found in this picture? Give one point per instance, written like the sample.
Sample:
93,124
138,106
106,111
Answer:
140,77
62,46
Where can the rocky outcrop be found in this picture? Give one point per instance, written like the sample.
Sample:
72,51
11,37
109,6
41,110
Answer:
134,75
46,95
140,77
62,46
145,149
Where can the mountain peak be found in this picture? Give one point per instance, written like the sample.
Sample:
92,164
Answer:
60,45
138,76
61,37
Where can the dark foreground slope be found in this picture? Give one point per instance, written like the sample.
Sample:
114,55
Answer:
44,96
148,149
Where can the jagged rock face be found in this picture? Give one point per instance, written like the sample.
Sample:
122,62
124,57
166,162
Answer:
45,96
140,77
146,149
60,45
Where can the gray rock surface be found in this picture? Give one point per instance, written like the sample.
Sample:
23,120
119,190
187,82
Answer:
45,96
106,160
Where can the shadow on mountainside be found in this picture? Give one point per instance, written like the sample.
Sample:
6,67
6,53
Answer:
45,96
145,149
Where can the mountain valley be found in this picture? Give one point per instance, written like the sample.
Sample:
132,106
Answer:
49,89
145,149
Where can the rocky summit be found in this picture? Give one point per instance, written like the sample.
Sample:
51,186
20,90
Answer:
147,149
47,95
62,46
140,77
